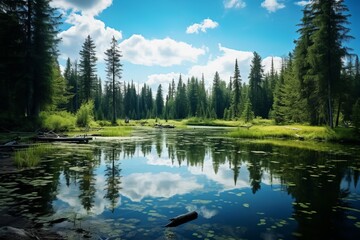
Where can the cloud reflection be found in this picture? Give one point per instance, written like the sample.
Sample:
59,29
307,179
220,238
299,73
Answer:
160,185
203,211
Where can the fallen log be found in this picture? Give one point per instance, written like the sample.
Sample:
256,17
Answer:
181,219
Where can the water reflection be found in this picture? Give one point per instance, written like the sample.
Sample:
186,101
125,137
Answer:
239,189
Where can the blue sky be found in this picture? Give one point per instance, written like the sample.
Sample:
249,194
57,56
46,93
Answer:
161,39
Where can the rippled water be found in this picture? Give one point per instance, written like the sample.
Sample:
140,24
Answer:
129,189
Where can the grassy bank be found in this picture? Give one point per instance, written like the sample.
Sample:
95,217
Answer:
300,132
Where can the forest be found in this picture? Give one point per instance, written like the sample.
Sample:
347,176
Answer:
318,84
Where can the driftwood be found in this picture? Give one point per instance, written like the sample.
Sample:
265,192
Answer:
83,139
157,125
181,219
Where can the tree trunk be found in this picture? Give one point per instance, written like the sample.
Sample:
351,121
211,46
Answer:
338,113
331,122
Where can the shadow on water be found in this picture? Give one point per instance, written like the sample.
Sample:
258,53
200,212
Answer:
128,189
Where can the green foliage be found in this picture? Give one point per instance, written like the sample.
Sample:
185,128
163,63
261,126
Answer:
115,131
113,69
85,114
87,70
256,91
248,114
58,121
31,157
356,114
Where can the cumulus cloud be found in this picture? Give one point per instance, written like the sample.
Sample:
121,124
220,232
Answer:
224,65
303,3
161,52
266,62
72,203
82,26
272,5
205,24
161,185
234,4
87,7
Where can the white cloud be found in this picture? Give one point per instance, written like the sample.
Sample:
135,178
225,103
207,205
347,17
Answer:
70,196
82,26
303,3
87,7
161,52
161,185
234,4
266,62
205,24
224,65
272,5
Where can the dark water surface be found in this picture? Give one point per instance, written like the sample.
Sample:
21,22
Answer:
129,189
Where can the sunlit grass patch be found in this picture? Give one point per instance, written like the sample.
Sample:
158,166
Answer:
212,122
299,132
31,157
118,131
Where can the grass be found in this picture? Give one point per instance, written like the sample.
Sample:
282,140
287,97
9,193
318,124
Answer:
303,132
115,131
212,122
31,157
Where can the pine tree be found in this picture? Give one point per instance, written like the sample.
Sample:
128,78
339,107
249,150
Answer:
326,53
159,102
181,110
255,82
113,69
236,91
87,70
309,88
193,96
217,96
59,93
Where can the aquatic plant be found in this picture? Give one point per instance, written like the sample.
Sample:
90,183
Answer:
31,157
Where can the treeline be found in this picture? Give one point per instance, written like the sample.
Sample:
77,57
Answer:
318,82
28,66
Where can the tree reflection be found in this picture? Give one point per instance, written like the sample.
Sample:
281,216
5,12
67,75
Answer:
87,179
112,173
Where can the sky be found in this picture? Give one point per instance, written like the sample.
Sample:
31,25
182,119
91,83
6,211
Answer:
161,39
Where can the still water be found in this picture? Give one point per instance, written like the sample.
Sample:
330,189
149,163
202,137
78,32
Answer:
130,188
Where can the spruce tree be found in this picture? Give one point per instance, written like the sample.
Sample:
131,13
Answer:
159,102
236,91
255,84
326,53
113,69
87,70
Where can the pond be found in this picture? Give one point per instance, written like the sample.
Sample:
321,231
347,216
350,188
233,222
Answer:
130,188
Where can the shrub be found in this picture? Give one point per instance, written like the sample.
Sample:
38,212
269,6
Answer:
57,121
85,114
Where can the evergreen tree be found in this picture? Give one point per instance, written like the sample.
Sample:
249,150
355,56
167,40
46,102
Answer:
326,53
59,94
236,95
255,82
87,70
181,110
193,96
159,102
202,98
113,69
309,88
216,96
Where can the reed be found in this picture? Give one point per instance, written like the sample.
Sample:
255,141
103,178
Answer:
31,156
